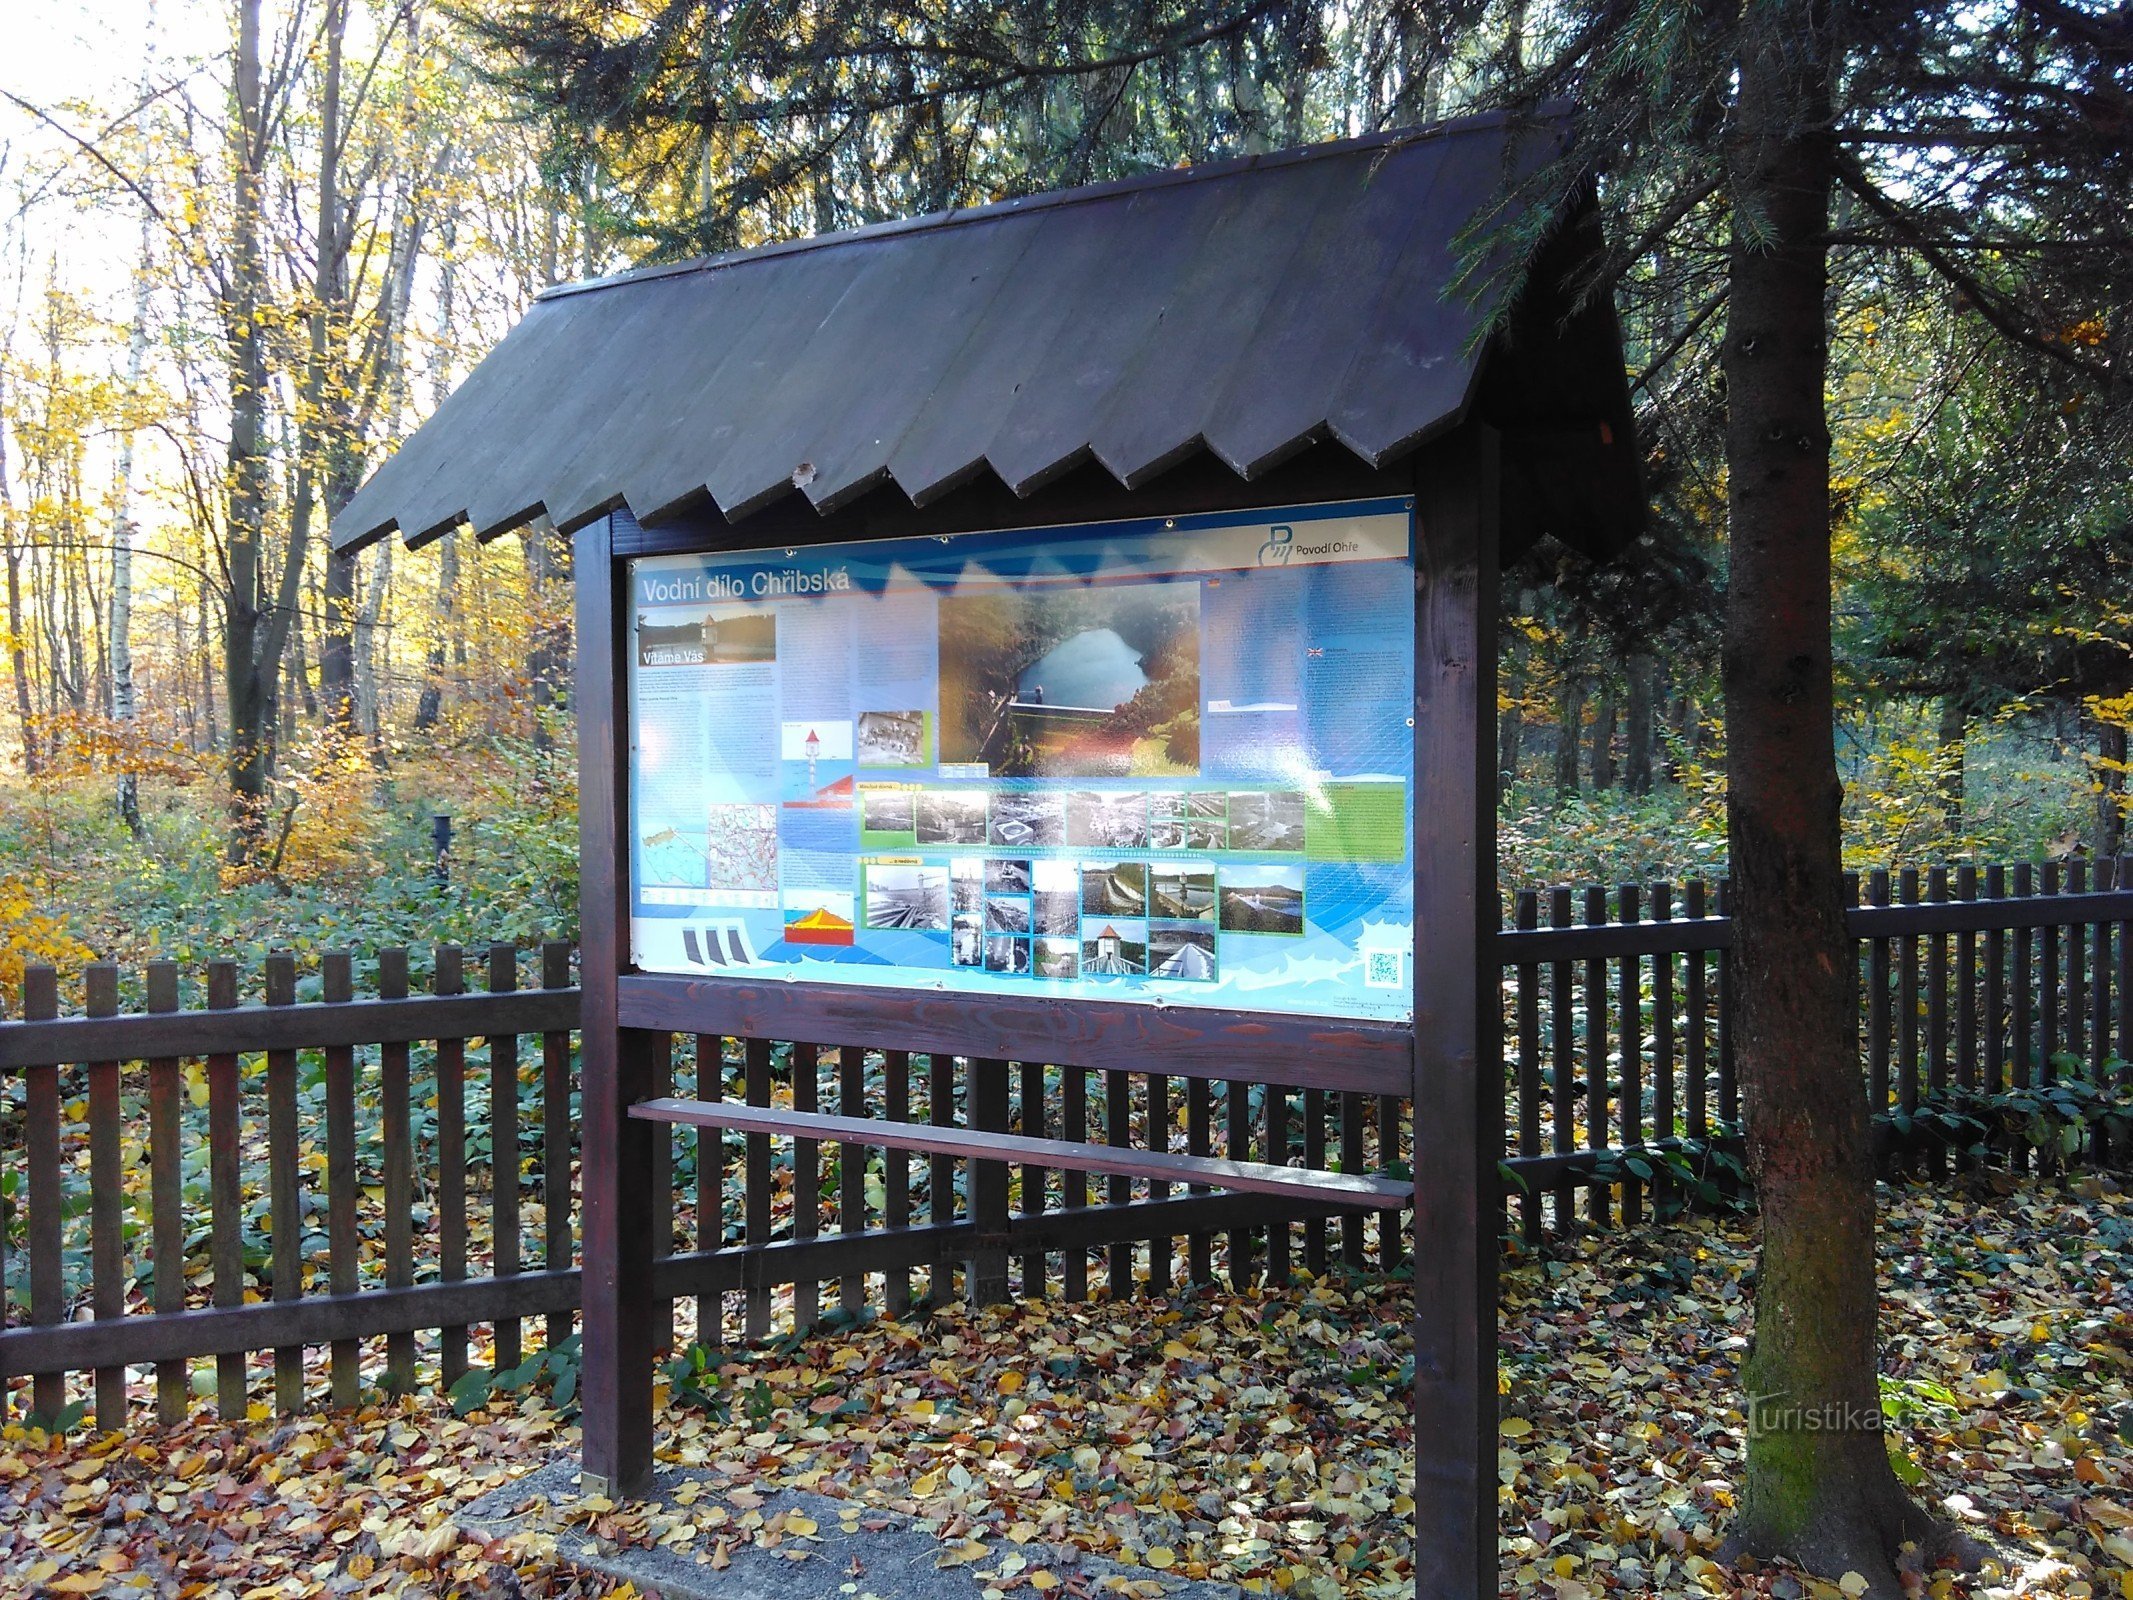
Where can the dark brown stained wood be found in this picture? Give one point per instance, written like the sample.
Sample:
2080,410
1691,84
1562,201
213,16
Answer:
1159,1250
2020,1064
1245,309
2048,980
1276,1153
40,999
505,1245
1353,1159
940,1169
1074,1184
2077,971
396,1134
226,1219
336,981
1391,1113
1936,1017
1629,1029
1190,1041
1029,1104
228,1332
1458,1089
166,1192
1663,1116
995,1148
757,1220
896,1175
1118,1133
806,1176
1907,1006
1200,1141
245,1029
448,976
1562,1029
710,1182
1728,1075
1527,913
1695,998
1599,1209
1966,999
661,1046
1237,1109
107,1243
1878,1015
988,1102
1314,1153
285,1205
2100,983
556,1123
852,1170
615,1064
2125,979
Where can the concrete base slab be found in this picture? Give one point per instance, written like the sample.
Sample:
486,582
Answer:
890,1557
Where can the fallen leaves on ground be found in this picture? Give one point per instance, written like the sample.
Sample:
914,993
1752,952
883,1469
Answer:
1260,1438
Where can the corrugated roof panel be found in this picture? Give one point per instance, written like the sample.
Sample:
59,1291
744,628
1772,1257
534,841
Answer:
1155,411
1252,307
662,472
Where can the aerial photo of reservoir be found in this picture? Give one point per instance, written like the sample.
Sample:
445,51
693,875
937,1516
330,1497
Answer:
1262,899
1072,680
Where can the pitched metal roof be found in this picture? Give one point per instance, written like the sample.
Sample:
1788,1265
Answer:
1249,309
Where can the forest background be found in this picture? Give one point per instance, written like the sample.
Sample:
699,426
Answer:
245,248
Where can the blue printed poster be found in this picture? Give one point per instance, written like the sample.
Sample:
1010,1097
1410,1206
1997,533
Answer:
1167,761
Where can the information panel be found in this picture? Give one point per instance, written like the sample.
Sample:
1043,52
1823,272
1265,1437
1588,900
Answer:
1166,761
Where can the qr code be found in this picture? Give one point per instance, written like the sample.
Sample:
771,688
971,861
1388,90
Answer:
1381,969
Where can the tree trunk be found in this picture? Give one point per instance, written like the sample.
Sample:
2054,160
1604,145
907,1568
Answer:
1643,674
1511,717
248,672
1818,1485
125,711
1569,730
1954,728
17,629
2111,790
1603,743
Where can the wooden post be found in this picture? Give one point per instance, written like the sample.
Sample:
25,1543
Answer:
1458,1098
615,1067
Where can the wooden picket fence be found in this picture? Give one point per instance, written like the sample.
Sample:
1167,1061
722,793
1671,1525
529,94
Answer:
382,1177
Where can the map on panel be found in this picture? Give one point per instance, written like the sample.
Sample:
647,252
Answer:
1166,761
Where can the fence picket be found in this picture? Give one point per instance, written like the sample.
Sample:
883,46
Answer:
504,1246
1599,1209
556,1123
756,1219
40,1000
448,976
226,1219
852,1170
1663,1036
107,1240
1031,1121
1074,1186
336,977
285,1202
1936,1152
1118,1131
1200,1141
896,1176
1563,1061
166,1191
1629,1029
397,1136
710,1182
1526,1039
1158,1139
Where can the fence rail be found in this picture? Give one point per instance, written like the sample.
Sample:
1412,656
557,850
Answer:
390,1177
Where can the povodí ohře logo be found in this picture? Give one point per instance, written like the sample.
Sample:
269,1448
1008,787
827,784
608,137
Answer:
1281,545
